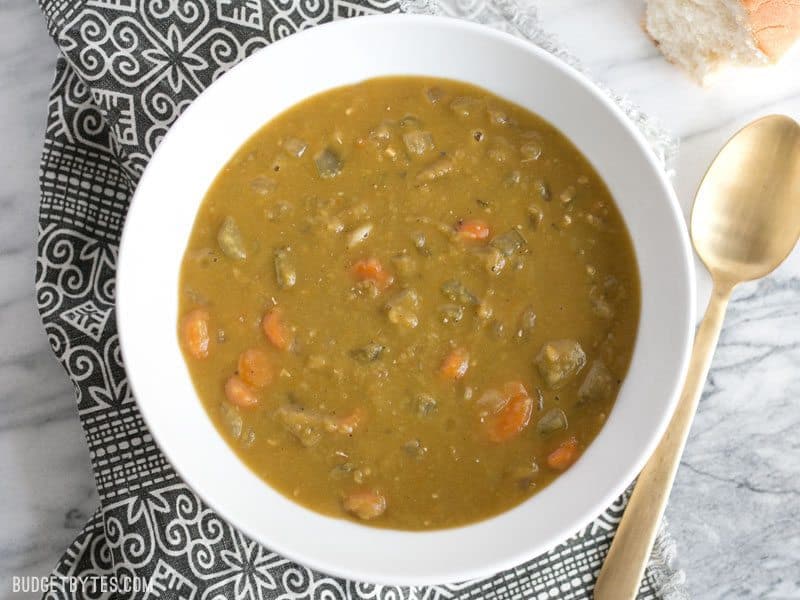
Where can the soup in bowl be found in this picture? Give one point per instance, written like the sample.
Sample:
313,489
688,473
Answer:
445,305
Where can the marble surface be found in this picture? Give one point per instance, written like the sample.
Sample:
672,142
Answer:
735,509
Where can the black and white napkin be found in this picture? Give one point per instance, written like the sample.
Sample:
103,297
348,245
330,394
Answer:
127,69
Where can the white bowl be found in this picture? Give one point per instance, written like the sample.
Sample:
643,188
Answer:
224,116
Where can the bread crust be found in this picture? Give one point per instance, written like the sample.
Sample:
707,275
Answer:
774,24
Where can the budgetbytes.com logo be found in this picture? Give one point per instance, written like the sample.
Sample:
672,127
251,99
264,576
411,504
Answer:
88,585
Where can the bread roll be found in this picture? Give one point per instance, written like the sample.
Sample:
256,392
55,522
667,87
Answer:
704,36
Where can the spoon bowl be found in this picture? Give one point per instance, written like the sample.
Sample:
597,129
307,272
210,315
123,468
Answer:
746,216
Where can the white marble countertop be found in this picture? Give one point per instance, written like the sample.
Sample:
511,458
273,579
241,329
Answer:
735,509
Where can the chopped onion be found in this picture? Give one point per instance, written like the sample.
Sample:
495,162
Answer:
418,142
359,234
530,151
263,185
295,147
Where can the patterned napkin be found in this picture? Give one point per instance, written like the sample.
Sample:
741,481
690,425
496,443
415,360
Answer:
127,69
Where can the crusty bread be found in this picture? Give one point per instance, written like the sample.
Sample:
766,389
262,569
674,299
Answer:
775,24
704,36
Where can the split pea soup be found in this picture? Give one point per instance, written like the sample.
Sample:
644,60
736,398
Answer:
408,302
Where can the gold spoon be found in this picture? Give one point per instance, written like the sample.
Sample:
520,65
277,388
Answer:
745,222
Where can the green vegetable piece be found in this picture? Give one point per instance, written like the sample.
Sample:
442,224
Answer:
568,195
559,361
402,308
285,273
528,319
341,471
553,420
425,404
602,297
542,190
509,243
302,424
368,353
328,163
415,449
535,215
598,385
230,240
451,313
382,133
493,260
456,291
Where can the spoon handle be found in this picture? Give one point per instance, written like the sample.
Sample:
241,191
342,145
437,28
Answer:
624,566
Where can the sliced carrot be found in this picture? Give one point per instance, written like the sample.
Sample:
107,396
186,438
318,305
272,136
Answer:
473,229
255,368
239,393
455,364
365,504
514,417
371,269
514,390
562,457
274,328
490,402
194,332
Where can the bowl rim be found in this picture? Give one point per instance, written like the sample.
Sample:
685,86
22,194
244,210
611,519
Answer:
601,502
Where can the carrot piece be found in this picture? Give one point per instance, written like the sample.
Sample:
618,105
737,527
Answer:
514,390
274,328
239,393
365,504
255,368
473,229
514,416
371,269
562,457
455,364
194,332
